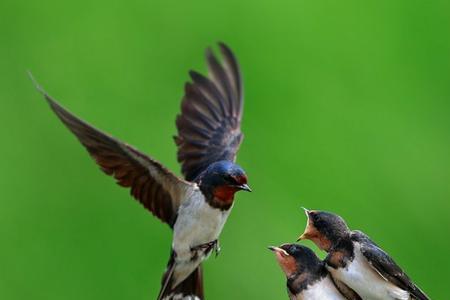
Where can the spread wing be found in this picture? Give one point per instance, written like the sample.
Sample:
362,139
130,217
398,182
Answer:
211,111
155,187
386,266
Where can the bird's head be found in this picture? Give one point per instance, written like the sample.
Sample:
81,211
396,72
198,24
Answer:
325,229
222,179
296,259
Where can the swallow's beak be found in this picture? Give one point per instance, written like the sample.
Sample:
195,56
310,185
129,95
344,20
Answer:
303,236
306,211
244,187
272,248
309,233
278,251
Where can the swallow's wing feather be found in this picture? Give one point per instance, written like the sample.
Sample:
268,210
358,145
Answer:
155,187
386,266
211,113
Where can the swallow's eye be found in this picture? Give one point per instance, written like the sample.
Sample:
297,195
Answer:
231,179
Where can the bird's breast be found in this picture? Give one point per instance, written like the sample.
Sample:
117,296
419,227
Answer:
197,223
321,290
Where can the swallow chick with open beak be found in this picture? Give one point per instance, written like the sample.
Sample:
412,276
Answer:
357,262
307,277
196,207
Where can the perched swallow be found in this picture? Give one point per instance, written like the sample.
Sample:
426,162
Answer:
307,277
208,139
357,262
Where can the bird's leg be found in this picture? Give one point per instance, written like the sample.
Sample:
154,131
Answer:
217,248
207,247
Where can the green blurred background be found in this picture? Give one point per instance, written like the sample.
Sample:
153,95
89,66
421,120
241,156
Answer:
347,109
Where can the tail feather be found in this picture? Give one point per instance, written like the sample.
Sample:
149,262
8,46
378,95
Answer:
417,293
166,280
189,289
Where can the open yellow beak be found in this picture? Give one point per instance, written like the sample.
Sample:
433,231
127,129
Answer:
306,211
303,236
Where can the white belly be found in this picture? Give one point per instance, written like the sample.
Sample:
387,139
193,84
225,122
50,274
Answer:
323,290
364,280
197,224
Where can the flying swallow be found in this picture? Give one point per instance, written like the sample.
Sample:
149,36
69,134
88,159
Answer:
357,262
307,276
196,207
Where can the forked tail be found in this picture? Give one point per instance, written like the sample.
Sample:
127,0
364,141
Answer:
189,289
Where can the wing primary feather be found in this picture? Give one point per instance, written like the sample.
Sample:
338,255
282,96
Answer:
211,111
232,67
220,78
127,165
207,88
192,94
